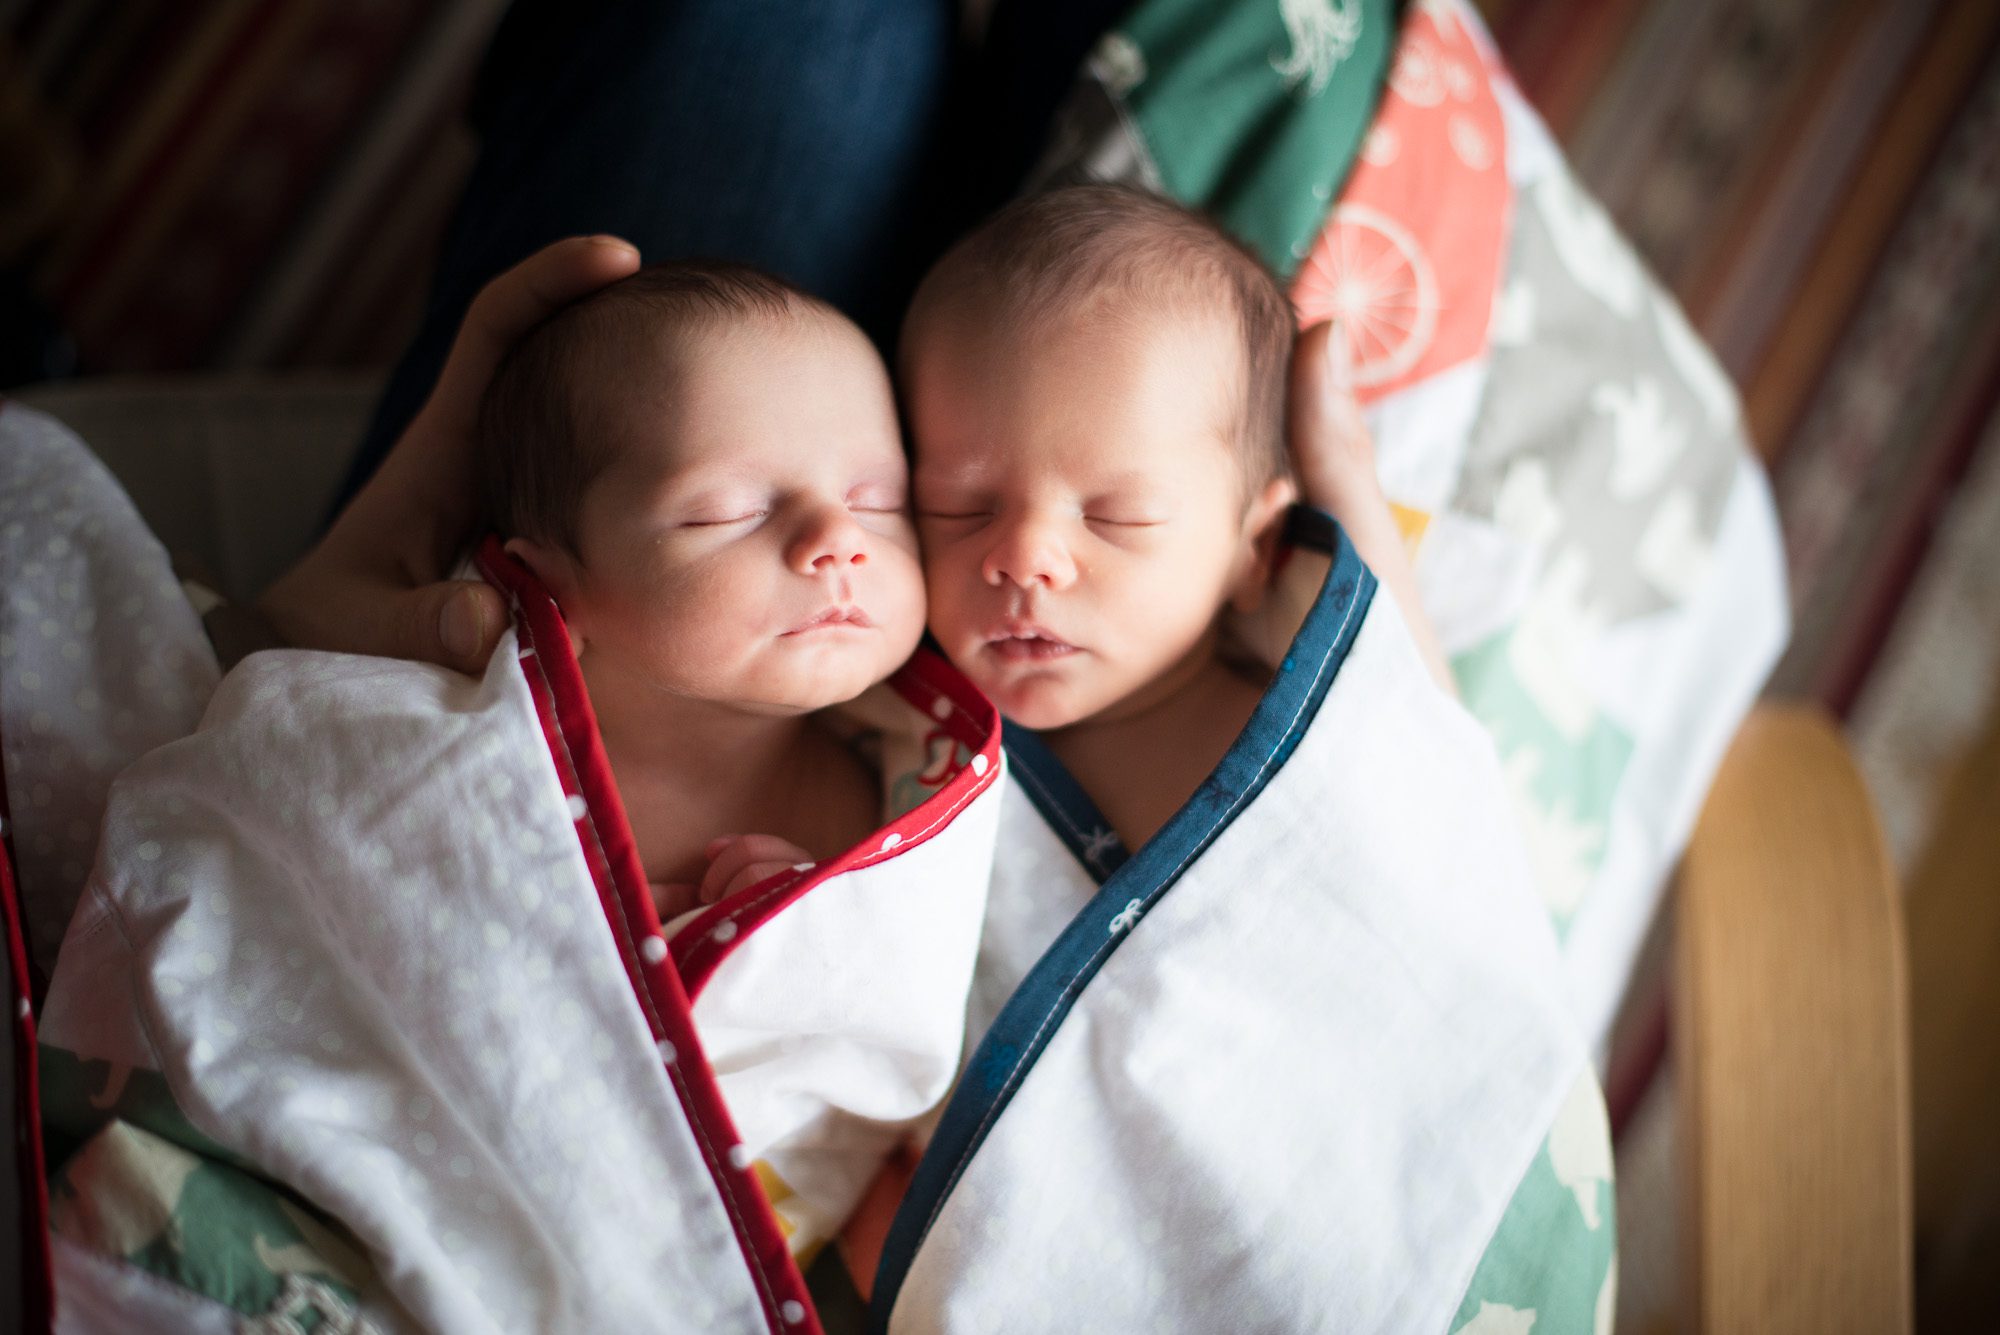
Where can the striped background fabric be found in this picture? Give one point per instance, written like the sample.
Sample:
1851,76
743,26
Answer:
233,183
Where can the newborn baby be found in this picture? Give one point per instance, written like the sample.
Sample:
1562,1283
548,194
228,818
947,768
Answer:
702,465
1258,883
378,937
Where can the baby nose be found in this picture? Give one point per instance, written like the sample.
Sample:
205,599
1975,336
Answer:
1029,554
831,541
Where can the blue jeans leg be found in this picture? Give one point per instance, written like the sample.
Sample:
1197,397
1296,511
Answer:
838,143
795,135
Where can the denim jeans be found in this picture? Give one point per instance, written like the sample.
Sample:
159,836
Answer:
838,143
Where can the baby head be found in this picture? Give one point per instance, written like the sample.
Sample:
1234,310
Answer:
703,466
1095,387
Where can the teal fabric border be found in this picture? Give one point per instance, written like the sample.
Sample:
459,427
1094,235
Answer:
1031,1017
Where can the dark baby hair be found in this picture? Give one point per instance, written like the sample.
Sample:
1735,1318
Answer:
544,427
1046,255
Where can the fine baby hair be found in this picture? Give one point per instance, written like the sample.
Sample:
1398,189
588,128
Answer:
1119,253
550,420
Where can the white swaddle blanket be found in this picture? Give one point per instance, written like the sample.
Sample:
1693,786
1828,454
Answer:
1302,1062
379,933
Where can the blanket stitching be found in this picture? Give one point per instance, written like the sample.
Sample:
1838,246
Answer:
958,715
725,1181
916,838
1003,1095
1048,802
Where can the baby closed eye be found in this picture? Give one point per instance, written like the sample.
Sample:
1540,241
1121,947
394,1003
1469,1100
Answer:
877,500
720,522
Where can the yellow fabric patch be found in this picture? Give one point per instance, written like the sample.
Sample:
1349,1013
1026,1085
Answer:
778,1191
1412,524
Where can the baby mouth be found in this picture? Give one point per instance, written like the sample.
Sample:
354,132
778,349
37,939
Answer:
845,616
1029,647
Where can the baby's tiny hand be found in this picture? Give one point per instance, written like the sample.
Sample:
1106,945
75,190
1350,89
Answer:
737,861
672,900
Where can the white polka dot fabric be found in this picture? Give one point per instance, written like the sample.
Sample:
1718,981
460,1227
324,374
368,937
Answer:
350,923
838,1025
101,657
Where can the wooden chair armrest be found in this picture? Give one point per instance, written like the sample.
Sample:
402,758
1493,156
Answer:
1791,1044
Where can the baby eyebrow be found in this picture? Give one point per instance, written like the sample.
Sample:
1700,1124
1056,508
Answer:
1134,490
961,480
924,485
716,501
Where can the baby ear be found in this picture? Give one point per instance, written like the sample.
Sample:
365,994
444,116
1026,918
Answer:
1263,525
558,573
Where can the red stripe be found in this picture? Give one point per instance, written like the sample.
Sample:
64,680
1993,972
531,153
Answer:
570,727
383,332
1577,63
1536,39
1881,259
37,1298
235,237
974,722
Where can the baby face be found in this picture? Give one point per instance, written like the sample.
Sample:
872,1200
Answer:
751,543
1083,516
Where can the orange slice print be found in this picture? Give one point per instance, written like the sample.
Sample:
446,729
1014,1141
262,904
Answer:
1370,273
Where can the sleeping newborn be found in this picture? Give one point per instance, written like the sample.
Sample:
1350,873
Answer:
702,465
380,941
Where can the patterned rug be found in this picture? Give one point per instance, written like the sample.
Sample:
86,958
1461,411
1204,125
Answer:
232,183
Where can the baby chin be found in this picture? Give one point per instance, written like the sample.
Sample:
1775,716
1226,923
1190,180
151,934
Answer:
832,665
1042,697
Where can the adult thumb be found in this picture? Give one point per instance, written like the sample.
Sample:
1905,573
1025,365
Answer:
454,624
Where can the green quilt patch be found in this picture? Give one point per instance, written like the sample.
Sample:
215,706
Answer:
1563,776
205,1227
1254,112
1551,1266
130,1177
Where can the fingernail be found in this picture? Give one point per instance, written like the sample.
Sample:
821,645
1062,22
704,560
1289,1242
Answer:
462,625
716,845
613,243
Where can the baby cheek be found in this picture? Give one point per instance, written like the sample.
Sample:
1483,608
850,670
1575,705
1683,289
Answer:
951,586
707,609
911,595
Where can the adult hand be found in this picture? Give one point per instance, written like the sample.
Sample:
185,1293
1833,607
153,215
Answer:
1334,455
1332,450
375,584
